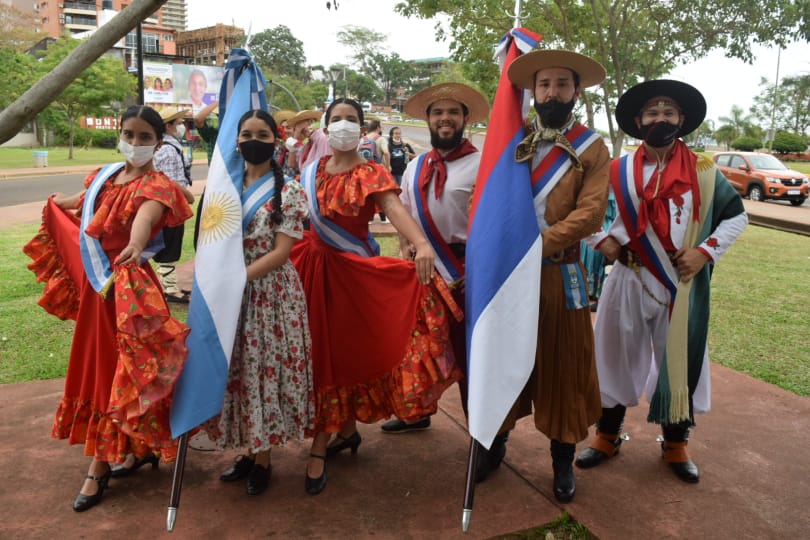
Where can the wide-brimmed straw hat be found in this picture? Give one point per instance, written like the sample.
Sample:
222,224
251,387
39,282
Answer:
523,69
283,115
305,115
167,114
418,104
688,98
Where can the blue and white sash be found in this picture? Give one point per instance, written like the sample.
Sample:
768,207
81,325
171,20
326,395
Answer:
329,231
543,183
256,196
97,265
448,265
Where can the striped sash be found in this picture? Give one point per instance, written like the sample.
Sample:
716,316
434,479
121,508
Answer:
647,246
329,231
256,196
449,266
554,166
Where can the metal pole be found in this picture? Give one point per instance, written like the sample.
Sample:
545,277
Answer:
177,481
517,23
469,487
773,106
139,36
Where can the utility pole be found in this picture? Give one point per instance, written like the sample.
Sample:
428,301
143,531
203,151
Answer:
773,105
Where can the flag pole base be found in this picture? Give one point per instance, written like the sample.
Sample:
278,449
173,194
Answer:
170,517
466,515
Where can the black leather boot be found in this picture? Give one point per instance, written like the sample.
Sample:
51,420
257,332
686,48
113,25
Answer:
489,460
674,451
562,458
605,444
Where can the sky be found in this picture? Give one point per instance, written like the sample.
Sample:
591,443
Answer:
724,82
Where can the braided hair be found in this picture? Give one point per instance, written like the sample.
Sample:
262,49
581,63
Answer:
278,175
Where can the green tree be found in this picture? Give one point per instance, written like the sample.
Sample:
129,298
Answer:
390,72
279,53
18,69
788,105
724,135
94,90
635,40
785,143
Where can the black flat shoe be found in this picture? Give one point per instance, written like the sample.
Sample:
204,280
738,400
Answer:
353,442
86,502
258,479
313,486
240,469
120,470
400,426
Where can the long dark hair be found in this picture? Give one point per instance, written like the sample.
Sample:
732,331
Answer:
347,101
278,175
148,115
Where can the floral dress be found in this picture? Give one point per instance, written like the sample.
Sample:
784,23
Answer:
269,393
127,349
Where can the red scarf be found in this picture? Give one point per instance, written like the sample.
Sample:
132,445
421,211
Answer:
434,161
678,177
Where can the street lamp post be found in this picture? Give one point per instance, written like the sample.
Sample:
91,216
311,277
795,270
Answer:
334,74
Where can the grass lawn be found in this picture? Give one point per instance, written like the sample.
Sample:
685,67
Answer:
758,325
16,158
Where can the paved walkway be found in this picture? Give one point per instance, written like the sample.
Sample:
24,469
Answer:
751,449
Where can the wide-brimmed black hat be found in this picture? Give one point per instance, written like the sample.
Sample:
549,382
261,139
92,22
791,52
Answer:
688,98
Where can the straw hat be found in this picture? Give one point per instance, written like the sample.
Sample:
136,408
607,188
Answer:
523,69
167,114
688,98
304,115
283,115
418,104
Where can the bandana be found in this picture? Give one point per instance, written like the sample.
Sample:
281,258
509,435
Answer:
679,176
435,162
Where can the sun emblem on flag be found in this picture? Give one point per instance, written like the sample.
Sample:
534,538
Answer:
221,217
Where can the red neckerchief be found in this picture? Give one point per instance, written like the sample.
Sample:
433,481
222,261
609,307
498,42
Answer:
434,161
678,177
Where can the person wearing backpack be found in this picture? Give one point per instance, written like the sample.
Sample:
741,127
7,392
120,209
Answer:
401,153
169,160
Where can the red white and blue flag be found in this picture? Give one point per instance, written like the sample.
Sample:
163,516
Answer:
503,257
219,266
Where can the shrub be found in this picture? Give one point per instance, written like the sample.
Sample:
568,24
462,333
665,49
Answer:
785,142
746,144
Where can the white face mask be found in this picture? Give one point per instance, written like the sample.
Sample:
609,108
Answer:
181,131
344,135
137,156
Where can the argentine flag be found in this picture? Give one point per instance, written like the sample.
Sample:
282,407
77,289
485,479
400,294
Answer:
219,267
504,252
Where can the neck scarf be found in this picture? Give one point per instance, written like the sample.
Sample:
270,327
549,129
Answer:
678,177
435,162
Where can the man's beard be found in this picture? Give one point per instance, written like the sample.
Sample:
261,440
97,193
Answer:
448,143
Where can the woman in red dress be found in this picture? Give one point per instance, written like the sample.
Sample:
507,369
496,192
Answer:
379,324
92,253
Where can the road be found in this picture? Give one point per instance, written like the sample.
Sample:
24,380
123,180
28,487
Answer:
29,189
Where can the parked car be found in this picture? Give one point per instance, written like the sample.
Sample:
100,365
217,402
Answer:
761,177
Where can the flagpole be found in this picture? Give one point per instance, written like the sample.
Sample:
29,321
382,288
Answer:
475,446
177,482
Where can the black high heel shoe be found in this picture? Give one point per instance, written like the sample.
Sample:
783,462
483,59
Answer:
120,470
353,441
86,502
313,486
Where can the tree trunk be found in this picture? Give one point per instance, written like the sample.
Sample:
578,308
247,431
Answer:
39,96
71,137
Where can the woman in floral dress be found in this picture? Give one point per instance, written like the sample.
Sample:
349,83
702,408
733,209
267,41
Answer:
92,253
379,324
268,396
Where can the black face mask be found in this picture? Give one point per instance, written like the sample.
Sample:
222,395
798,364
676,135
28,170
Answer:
256,152
659,134
554,114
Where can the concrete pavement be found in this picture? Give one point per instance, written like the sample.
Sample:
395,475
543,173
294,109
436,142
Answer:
751,450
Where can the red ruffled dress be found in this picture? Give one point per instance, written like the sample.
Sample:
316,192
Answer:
379,337
127,349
